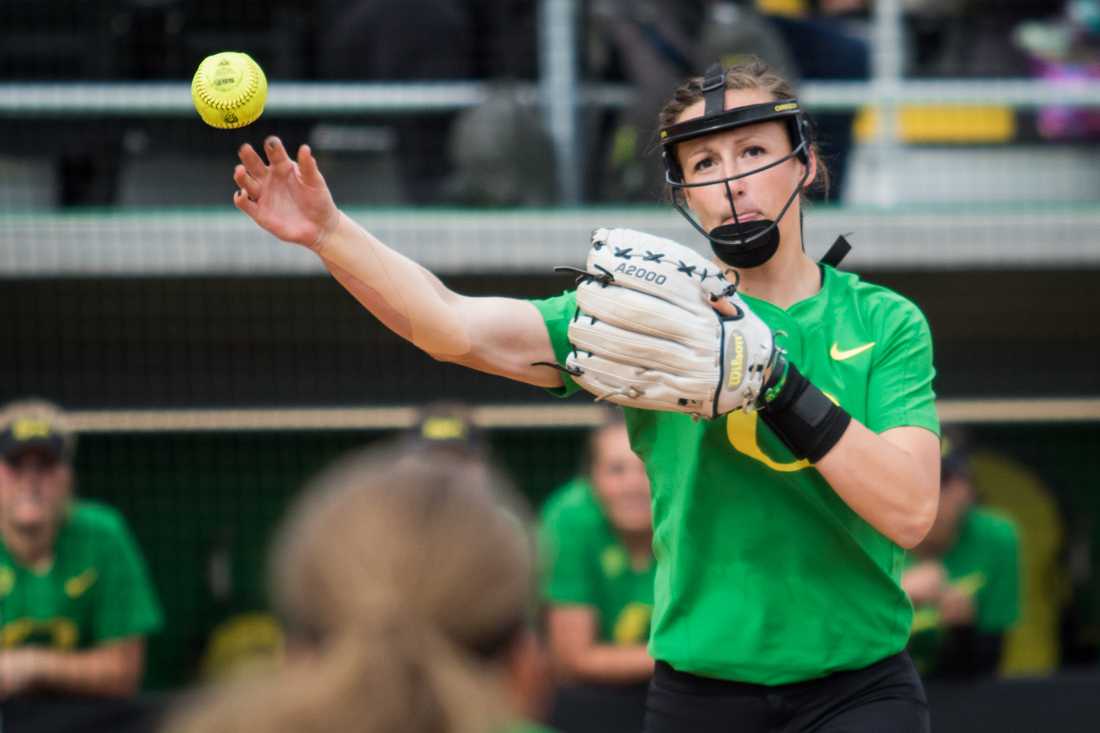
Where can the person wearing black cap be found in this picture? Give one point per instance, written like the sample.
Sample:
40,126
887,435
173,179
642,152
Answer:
786,415
76,603
449,427
963,579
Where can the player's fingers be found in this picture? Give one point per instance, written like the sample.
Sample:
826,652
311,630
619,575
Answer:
726,308
276,154
249,184
252,161
311,174
244,203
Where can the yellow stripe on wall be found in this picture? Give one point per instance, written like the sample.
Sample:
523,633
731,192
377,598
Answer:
790,8
943,124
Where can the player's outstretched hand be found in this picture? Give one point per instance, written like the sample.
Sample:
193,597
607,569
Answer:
287,198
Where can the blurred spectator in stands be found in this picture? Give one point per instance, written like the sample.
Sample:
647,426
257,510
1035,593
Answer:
963,579
651,45
76,603
418,41
501,155
973,38
825,46
654,43
1066,49
405,577
596,535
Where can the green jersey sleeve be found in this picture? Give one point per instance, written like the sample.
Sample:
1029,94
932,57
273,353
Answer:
900,381
126,604
557,312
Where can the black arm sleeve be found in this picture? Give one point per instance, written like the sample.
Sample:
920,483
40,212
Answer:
800,414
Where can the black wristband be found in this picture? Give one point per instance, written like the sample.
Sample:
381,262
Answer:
800,414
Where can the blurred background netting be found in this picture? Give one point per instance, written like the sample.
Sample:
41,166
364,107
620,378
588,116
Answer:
210,368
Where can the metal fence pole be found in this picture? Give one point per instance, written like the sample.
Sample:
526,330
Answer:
886,68
558,50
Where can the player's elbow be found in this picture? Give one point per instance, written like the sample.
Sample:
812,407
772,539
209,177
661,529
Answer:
915,523
910,536
463,360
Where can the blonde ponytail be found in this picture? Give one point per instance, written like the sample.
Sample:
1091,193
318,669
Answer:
408,578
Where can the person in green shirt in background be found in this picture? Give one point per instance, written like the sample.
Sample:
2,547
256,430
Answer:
963,580
596,535
76,603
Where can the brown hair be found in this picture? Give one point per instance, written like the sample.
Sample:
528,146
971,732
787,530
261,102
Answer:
752,74
409,576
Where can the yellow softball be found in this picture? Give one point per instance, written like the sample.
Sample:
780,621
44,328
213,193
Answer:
229,90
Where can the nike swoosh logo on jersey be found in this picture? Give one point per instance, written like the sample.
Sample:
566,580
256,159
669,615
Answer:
75,586
846,354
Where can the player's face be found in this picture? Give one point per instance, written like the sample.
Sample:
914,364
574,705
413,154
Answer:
733,152
620,480
34,489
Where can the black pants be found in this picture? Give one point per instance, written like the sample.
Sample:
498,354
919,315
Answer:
887,696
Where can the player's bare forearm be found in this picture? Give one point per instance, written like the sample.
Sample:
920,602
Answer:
113,669
494,335
579,657
892,480
604,663
399,292
291,200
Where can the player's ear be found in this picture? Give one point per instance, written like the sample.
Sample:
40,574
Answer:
811,163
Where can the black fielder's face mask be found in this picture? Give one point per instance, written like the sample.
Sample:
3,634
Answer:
739,243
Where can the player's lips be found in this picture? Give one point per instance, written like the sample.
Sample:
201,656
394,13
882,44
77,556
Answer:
742,218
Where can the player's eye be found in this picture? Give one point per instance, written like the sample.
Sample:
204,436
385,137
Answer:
703,163
753,151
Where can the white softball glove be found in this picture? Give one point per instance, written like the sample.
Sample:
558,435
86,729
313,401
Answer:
646,333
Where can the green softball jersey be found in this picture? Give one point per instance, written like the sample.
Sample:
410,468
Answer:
764,574
96,590
572,499
985,563
585,563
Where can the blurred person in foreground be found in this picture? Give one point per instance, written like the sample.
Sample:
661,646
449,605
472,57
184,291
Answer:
596,535
963,580
76,604
405,577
